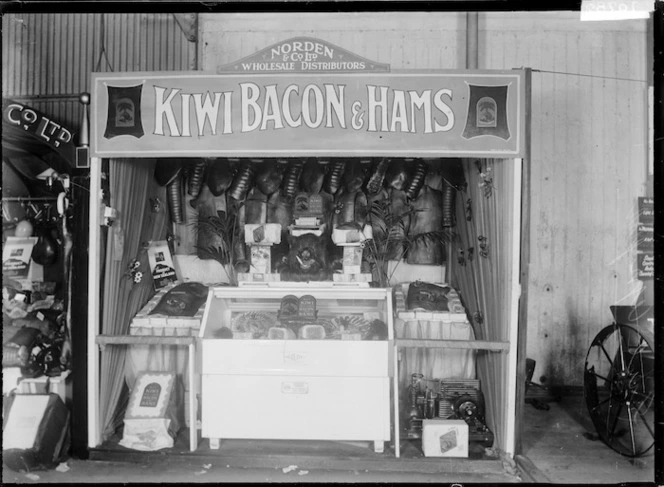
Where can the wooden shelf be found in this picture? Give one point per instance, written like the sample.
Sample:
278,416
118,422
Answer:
189,342
104,340
463,344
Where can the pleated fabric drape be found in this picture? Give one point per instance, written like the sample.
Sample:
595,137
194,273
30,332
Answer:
481,263
132,188
434,363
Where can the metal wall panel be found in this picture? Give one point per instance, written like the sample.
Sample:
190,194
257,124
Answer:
48,58
588,165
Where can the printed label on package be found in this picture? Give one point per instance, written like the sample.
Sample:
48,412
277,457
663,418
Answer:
161,264
16,256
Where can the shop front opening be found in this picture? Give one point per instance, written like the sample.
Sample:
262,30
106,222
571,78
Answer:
344,285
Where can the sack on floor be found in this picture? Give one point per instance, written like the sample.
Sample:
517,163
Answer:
155,413
35,432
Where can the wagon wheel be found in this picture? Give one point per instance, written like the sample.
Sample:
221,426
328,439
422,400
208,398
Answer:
619,388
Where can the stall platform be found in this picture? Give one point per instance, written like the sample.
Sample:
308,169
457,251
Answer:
314,455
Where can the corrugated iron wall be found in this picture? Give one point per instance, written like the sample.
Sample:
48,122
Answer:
48,58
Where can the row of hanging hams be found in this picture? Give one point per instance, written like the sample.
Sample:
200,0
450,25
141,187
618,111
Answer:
264,189
237,177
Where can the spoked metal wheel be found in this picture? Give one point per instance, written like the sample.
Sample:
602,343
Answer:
619,388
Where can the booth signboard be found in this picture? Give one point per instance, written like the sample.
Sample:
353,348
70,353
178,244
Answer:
434,114
23,119
303,54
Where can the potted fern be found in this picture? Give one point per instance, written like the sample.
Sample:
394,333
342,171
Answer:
227,245
391,240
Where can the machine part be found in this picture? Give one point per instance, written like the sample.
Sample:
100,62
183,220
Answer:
619,388
430,410
415,414
470,409
466,407
450,390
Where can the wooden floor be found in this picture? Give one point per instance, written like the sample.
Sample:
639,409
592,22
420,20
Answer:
559,448
562,445
322,455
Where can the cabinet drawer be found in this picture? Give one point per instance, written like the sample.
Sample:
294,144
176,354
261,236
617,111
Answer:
304,408
296,357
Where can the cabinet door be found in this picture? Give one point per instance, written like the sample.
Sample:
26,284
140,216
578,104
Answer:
306,408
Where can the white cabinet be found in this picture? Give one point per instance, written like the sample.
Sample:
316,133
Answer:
332,388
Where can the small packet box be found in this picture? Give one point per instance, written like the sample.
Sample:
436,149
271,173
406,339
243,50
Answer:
257,277
261,261
351,278
262,234
350,236
161,264
445,438
352,260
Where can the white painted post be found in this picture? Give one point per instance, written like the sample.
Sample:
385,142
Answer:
515,271
193,430
94,286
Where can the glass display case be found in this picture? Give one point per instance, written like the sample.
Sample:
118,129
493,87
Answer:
309,362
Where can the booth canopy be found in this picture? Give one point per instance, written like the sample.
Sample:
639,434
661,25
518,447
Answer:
33,146
282,114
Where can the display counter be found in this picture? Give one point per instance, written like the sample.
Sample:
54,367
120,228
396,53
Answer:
322,373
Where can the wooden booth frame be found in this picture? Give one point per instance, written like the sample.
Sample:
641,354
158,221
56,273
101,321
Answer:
108,140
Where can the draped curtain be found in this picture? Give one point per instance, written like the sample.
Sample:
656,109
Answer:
132,187
481,266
